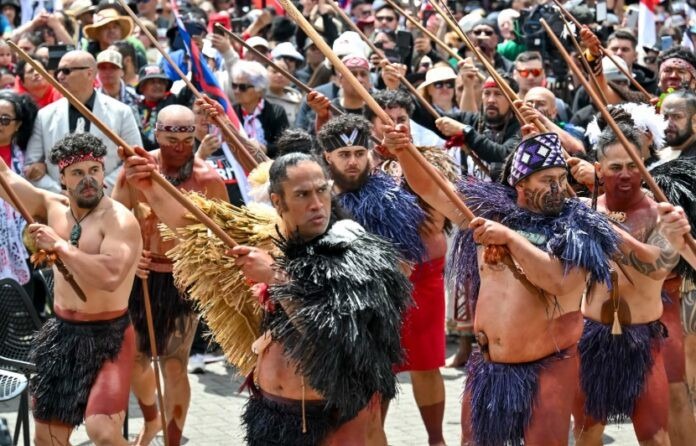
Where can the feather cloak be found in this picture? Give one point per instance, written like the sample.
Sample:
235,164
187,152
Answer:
339,315
578,236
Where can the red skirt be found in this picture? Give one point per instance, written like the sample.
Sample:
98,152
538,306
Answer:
423,331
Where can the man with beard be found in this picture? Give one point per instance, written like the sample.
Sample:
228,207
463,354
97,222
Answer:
492,133
677,70
174,319
679,109
527,321
333,302
84,356
622,368
384,206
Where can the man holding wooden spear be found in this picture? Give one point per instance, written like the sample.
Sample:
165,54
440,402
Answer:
527,320
84,356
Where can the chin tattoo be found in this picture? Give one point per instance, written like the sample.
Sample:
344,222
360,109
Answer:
546,201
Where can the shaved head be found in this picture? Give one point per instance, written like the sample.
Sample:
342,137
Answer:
82,57
77,71
176,115
543,100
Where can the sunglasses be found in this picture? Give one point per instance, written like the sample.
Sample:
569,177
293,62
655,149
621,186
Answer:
385,18
535,72
5,120
67,70
443,84
483,32
241,87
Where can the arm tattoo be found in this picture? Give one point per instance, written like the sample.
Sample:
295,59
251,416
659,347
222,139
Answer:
667,260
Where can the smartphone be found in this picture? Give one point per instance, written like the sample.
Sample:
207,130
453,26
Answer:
632,19
666,42
55,53
601,12
393,55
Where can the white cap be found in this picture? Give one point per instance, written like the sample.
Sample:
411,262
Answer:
258,41
286,49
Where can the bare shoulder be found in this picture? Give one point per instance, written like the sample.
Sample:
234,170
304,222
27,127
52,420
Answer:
205,174
117,217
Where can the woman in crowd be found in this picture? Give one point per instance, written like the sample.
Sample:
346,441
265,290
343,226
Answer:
263,121
29,81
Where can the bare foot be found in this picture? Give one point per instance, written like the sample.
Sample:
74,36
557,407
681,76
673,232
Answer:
148,432
459,359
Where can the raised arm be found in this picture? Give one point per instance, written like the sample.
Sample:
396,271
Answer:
397,140
655,258
34,199
674,225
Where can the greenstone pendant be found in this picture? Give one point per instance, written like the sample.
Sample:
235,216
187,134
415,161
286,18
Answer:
75,234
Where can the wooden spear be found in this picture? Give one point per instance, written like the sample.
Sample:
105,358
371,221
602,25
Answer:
19,206
605,52
654,188
156,176
151,326
370,101
409,86
245,158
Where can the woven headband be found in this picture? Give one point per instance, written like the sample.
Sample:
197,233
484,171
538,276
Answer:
70,160
355,138
175,128
490,84
676,62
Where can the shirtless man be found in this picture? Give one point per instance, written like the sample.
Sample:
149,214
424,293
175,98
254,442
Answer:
345,356
622,375
173,316
527,318
84,356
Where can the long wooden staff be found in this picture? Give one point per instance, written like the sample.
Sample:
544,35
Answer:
405,82
585,63
426,31
301,85
654,188
605,52
151,327
246,159
507,91
19,206
156,176
370,101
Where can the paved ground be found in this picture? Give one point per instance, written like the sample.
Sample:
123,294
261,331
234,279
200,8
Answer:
214,415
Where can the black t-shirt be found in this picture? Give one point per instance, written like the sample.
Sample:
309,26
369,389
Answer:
218,161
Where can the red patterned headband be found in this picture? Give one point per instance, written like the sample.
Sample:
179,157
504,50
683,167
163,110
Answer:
490,84
678,63
70,160
175,128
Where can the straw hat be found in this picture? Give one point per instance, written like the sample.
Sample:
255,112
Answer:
105,17
437,74
79,7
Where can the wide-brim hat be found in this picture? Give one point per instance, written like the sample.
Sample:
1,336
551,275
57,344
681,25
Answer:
105,17
79,7
438,74
149,72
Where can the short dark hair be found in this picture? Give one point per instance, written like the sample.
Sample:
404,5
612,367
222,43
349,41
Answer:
278,172
25,111
77,144
341,125
295,140
126,49
390,99
609,138
678,53
623,34
527,56
507,77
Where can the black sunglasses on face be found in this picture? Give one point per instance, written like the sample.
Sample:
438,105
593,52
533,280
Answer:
443,84
6,119
483,32
241,87
67,70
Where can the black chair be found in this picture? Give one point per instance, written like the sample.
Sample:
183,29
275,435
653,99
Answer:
18,324
13,385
